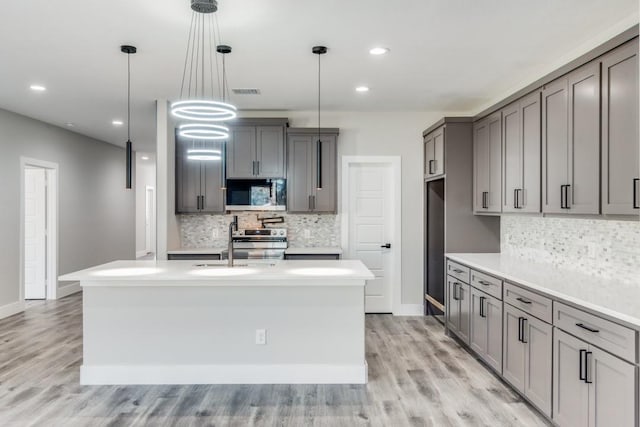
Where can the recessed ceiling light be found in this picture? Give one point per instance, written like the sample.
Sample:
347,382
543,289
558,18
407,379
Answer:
362,89
144,158
378,51
117,122
37,88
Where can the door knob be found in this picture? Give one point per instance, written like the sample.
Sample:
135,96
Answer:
387,245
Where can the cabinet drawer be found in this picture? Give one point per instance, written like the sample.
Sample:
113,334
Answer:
486,283
609,336
458,271
529,302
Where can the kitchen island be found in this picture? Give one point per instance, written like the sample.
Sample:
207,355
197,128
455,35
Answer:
185,322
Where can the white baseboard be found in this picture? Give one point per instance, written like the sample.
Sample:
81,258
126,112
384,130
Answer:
141,253
11,309
223,374
409,310
68,290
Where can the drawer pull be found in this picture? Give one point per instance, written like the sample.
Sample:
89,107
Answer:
455,270
524,301
483,283
583,326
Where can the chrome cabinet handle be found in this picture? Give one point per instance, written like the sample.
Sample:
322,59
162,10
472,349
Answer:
585,327
524,301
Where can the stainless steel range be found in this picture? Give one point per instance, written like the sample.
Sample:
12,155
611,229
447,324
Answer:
258,243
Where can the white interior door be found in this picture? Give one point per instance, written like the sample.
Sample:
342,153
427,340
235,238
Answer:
370,229
35,241
149,226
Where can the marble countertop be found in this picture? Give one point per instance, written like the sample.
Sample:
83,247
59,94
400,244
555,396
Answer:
612,298
216,273
291,251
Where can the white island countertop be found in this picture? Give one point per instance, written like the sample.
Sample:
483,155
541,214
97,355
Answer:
615,299
216,273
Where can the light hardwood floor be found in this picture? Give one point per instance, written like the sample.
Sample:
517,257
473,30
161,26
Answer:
417,377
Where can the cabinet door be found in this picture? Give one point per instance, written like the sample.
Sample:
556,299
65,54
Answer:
480,166
299,173
513,359
493,312
465,311
429,156
620,131
438,151
612,393
529,196
570,393
187,181
538,367
211,183
453,305
325,198
512,157
495,163
584,140
241,152
269,153
478,325
555,144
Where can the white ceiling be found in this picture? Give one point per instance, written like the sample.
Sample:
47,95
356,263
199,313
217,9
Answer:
445,55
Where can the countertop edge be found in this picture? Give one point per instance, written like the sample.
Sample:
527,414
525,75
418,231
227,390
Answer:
624,319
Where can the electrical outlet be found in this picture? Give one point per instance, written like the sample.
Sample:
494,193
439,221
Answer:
261,336
307,233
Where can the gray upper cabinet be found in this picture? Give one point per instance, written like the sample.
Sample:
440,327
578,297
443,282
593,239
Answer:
434,153
571,142
620,157
312,170
521,155
198,182
256,151
487,165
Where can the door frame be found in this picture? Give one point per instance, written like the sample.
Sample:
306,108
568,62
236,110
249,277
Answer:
150,190
396,172
52,172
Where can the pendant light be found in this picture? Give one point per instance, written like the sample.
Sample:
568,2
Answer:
197,104
129,50
319,50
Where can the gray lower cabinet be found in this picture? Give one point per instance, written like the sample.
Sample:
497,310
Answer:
620,157
571,142
487,165
458,308
198,182
591,387
256,151
434,153
521,140
485,334
312,170
526,363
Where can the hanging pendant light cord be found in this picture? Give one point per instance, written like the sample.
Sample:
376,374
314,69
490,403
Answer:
319,97
128,97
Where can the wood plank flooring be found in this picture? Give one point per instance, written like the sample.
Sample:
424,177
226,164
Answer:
417,377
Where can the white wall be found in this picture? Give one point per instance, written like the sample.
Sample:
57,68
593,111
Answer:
145,176
96,212
384,134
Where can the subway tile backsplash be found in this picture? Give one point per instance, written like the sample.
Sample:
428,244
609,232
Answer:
602,248
305,230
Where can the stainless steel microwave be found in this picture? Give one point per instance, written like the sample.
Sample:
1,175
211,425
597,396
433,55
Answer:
256,195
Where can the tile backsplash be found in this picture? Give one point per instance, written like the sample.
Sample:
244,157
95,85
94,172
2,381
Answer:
603,248
305,230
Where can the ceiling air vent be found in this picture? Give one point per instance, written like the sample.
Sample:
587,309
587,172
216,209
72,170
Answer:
246,91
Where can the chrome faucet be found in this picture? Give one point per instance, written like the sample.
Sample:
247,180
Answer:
233,226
